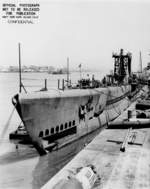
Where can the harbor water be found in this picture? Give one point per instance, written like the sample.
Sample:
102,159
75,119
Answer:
20,164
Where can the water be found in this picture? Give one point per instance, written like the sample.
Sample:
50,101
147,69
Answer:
22,167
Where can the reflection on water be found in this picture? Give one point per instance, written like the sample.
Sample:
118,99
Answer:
18,154
50,164
23,164
20,166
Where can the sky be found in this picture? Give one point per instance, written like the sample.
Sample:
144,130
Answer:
86,31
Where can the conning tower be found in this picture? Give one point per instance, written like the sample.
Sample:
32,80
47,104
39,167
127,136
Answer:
122,66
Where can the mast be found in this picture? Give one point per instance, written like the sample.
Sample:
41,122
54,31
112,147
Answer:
140,62
67,71
80,71
20,85
80,74
20,80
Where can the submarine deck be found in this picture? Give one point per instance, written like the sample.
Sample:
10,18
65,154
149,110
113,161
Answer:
117,169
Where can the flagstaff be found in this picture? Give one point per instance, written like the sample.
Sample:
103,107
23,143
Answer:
80,73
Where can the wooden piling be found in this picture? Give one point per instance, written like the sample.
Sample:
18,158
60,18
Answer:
45,84
58,83
63,84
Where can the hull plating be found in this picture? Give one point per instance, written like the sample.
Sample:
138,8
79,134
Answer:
70,114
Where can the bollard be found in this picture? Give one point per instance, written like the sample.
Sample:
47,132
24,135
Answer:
70,82
63,84
58,83
45,84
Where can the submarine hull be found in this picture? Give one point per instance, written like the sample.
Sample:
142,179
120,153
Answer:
55,118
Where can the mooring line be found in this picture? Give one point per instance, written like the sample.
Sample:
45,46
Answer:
6,125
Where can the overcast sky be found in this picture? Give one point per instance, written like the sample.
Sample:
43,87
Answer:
85,31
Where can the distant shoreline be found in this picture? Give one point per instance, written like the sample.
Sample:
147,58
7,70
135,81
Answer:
85,71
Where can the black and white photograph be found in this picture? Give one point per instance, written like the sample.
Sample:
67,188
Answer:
74,94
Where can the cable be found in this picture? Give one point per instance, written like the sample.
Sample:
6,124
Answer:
7,124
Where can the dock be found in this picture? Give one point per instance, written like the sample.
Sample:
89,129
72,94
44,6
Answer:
115,168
